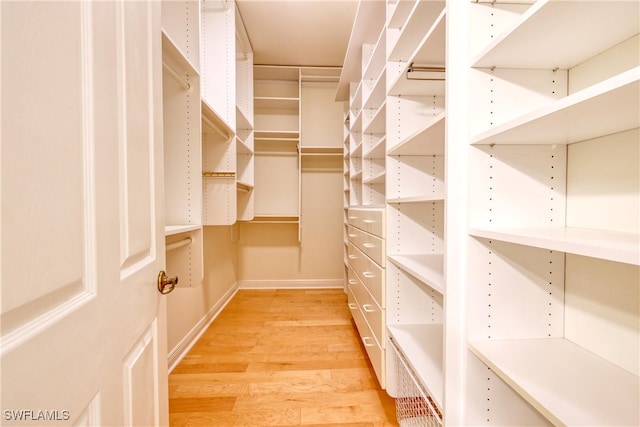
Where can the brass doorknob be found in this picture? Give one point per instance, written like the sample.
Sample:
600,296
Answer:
166,284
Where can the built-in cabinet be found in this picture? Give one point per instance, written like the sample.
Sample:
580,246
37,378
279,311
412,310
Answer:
227,102
208,127
510,178
293,123
553,248
277,142
366,282
181,84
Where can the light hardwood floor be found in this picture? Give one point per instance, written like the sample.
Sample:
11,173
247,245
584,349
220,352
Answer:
279,358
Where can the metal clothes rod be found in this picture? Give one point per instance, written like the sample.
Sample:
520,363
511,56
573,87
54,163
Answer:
312,169
219,174
179,244
275,153
429,73
185,84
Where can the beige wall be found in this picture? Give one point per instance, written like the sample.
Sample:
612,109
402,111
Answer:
270,254
190,309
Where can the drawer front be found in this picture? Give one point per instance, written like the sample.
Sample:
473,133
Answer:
372,246
370,220
370,273
369,307
374,351
373,313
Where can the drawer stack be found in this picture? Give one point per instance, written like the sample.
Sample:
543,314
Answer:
365,287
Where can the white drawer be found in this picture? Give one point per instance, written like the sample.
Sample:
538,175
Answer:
369,307
370,220
371,245
370,273
374,351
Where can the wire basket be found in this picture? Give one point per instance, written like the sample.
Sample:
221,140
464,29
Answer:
414,406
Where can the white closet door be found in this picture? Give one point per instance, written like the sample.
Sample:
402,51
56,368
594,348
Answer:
82,217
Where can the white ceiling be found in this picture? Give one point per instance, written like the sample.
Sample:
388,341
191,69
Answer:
298,32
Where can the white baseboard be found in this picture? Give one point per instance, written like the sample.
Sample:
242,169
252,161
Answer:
292,284
191,338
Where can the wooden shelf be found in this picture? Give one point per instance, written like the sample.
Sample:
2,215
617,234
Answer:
417,199
377,95
242,147
561,34
321,151
368,15
607,245
378,178
170,230
567,384
377,151
243,120
431,51
213,121
423,342
376,125
400,13
175,58
243,186
608,107
423,14
428,268
428,140
276,103
276,219
375,67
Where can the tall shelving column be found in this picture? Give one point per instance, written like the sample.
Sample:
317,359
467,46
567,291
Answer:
362,87
182,144
218,103
553,245
244,123
277,144
415,196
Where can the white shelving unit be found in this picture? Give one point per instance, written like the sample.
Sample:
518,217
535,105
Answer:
552,259
208,127
227,104
245,155
511,191
181,82
362,88
321,141
277,144
415,193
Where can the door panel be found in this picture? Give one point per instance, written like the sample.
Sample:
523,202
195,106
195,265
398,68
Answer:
42,200
82,214
135,141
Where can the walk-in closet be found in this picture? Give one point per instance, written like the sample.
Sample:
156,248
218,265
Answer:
302,212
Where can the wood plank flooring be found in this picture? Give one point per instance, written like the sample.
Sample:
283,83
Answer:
279,358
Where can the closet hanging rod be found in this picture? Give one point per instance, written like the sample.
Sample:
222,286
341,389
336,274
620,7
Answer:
425,73
215,128
222,174
185,84
178,244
